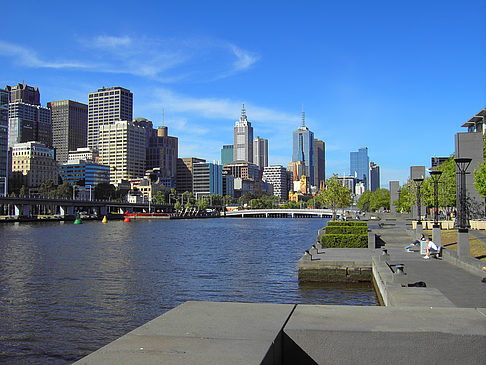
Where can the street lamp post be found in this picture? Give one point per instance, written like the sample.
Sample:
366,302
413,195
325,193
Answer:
462,216
419,230
436,235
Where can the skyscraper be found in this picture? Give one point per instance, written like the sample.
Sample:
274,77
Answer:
69,127
207,179
260,152
24,93
122,146
4,96
227,154
319,162
374,176
27,122
106,106
359,164
243,139
303,148
184,173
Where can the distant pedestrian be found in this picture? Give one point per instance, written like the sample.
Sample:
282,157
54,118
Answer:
431,246
416,242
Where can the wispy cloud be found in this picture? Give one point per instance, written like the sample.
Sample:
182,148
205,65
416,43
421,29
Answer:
29,58
111,42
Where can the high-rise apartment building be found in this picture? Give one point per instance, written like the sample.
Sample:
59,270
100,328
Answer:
277,177
69,127
359,165
303,148
27,122
162,152
106,106
4,97
207,179
32,164
184,173
227,154
319,162
374,176
260,152
122,146
243,139
24,93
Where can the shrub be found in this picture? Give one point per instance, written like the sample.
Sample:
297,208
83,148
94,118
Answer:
346,229
344,223
344,240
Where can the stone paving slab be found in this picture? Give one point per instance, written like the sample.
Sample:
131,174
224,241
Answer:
202,332
387,335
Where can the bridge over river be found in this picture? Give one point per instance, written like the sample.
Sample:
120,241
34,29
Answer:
281,213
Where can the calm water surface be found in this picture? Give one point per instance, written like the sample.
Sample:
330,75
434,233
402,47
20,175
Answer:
66,290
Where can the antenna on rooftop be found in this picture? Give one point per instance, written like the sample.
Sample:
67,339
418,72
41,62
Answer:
303,116
243,112
162,117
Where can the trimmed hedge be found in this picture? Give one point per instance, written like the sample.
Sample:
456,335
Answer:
347,229
346,223
344,240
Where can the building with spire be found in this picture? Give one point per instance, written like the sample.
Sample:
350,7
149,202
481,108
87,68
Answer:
303,148
243,139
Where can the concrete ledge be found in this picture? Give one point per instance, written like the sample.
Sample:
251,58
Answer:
386,335
469,264
202,333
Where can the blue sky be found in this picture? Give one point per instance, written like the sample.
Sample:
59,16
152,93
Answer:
398,77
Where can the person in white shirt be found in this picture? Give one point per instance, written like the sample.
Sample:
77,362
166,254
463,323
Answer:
430,246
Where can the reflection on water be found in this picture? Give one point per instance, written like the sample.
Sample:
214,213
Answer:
66,290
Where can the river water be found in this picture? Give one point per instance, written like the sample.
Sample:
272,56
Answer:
66,290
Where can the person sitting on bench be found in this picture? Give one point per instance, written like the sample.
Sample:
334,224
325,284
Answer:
431,247
416,242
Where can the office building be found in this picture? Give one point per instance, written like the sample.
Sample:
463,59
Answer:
184,173
4,97
162,152
277,176
243,139
32,164
471,145
374,175
84,153
319,162
359,165
260,152
207,179
243,170
227,154
303,148
437,161
296,170
349,182
69,127
228,185
84,173
24,93
107,106
122,146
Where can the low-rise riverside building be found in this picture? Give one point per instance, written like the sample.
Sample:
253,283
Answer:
207,179
84,172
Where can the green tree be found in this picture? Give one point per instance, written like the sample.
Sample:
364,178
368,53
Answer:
104,191
159,197
177,205
335,195
227,199
188,198
480,180
290,205
47,189
380,198
22,191
404,201
65,190
364,201
202,203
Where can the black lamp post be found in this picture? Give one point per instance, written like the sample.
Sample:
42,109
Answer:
418,182
435,175
461,220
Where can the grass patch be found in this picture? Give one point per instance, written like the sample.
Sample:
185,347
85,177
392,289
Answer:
477,248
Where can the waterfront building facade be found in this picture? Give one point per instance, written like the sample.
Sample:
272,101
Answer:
69,127
243,139
359,164
319,162
277,176
4,98
122,146
374,176
260,152
303,148
106,106
227,154
32,164
228,185
162,152
207,179
184,173
84,173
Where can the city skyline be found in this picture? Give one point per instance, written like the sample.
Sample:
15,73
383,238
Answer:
365,78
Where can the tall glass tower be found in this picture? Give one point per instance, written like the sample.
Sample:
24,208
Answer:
359,164
303,148
4,96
